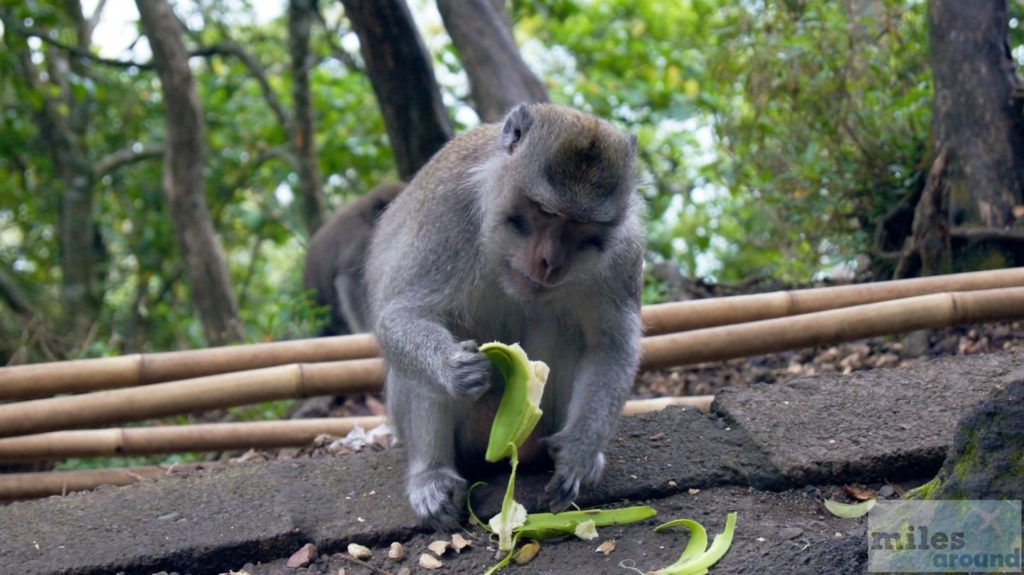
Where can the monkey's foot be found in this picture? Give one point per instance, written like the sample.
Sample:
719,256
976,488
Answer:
436,496
573,466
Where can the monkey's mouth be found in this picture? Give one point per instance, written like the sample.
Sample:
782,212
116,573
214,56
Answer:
529,285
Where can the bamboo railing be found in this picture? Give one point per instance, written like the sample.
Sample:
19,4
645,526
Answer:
48,379
332,378
125,441
146,386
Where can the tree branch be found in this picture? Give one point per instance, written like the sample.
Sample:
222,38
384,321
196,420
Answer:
337,51
988,233
231,48
14,27
126,156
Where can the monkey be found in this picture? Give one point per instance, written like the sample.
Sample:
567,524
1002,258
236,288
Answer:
528,230
337,252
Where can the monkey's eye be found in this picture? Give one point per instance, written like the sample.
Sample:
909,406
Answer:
593,243
546,210
518,223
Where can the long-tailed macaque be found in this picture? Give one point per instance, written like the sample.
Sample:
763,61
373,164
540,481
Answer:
524,231
336,256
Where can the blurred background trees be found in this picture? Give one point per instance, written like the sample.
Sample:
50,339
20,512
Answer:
790,140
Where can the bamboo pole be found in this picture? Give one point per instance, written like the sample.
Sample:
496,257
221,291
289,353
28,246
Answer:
190,395
47,379
833,326
44,484
225,436
665,318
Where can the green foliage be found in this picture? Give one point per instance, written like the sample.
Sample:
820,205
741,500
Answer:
774,135
773,138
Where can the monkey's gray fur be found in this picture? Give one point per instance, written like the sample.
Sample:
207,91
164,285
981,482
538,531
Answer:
336,257
526,231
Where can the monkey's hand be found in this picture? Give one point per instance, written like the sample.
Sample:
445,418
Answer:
576,462
470,371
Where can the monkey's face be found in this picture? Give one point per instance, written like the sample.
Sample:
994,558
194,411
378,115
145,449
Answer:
547,246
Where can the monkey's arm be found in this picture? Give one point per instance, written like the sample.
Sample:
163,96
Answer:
416,342
603,382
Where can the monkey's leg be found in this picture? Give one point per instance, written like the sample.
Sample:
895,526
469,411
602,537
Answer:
426,424
351,301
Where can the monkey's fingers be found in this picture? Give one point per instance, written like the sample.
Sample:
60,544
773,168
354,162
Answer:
470,373
436,496
561,491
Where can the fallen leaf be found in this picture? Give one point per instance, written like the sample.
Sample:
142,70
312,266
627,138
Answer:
859,492
606,547
303,557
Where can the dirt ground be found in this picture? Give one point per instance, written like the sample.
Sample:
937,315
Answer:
787,532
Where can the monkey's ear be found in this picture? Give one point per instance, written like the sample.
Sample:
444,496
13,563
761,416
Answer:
517,124
632,144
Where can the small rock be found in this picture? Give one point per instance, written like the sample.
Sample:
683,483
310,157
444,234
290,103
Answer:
396,552
788,533
359,551
886,491
916,343
303,557
428,561
404,571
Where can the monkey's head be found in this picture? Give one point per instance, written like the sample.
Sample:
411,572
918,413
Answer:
560,195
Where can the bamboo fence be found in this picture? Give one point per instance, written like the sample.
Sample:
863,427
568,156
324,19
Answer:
698,314
203,437
76,376
48,379
128,441
43,484
191,395
834,326
332,378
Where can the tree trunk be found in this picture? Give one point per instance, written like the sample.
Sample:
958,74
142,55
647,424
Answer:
183,179
300,21
403,79
498,77
63,122
978,128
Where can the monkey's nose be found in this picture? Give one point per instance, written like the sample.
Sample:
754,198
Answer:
550,272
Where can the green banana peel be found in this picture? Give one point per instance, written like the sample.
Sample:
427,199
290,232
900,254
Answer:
849,510
512,515
519,410
695,560
541,526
